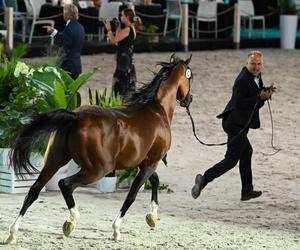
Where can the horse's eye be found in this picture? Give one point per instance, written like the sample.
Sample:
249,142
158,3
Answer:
188,73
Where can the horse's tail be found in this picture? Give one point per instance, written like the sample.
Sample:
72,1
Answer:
56,120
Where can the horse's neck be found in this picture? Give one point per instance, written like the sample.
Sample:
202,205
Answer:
167,97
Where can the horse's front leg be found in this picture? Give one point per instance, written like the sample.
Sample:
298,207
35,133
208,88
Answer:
142,176
152,217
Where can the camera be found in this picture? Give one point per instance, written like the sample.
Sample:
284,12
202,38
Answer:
114,23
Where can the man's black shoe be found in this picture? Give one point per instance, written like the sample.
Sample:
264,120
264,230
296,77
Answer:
199,185
251,195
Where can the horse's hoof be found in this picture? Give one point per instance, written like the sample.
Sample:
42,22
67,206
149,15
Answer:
68,227
11,240
151,220
116,236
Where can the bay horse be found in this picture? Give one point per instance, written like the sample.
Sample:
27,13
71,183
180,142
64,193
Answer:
101,140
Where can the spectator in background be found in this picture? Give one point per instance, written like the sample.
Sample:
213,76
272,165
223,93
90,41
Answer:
124,78
72,39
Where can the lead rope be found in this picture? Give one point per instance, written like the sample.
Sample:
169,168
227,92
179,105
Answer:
276,149
240,132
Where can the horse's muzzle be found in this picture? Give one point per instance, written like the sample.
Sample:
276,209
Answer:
186,102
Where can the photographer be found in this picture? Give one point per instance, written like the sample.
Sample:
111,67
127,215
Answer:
124,77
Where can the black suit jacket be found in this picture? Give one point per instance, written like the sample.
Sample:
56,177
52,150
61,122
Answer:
245,96
72,40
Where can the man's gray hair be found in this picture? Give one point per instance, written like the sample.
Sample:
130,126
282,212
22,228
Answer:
71,11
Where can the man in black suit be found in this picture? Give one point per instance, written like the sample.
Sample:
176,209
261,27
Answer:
72,40
240,114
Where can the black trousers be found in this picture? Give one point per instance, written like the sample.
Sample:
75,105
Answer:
240,150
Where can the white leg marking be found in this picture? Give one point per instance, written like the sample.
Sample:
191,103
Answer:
116,227
13,229
152,217
70,224
74,214
153,209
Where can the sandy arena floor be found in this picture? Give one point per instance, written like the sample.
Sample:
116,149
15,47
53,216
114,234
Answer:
217,219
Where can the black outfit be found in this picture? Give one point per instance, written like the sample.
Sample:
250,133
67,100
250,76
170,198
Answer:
244,103
124,77
72,39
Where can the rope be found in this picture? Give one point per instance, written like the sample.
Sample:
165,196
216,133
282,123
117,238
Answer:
194,13
49,17
223,143
276,150
157,33
148,15
87,16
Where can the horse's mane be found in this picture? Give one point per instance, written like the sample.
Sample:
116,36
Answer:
146,93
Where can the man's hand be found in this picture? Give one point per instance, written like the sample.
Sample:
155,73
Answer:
50,29
267,92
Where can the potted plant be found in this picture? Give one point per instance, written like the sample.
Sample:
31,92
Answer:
107,183
288,23
149,31
126,177
27,89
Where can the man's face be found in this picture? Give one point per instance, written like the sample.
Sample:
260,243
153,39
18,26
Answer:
255,64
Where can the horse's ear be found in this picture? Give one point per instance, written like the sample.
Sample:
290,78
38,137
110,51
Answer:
187,61
172,58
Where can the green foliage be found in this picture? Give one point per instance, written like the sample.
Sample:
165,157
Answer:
53,55
288,7
26,89
151,28
128,175
58,88
102,99
16,98
7,79
2,25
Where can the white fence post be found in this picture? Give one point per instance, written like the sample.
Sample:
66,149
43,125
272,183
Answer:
185,27
237,26
10,28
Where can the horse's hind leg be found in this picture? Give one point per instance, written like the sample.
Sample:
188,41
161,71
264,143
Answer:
152,217
68,185
140,179
54,160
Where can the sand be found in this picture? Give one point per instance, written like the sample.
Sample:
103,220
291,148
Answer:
217,219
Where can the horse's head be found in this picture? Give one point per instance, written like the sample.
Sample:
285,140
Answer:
185,76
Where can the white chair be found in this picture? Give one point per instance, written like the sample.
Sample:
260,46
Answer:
247,13
33,10
206,12
108,10
173,12
18,16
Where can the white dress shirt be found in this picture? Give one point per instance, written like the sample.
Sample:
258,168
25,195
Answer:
55,31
